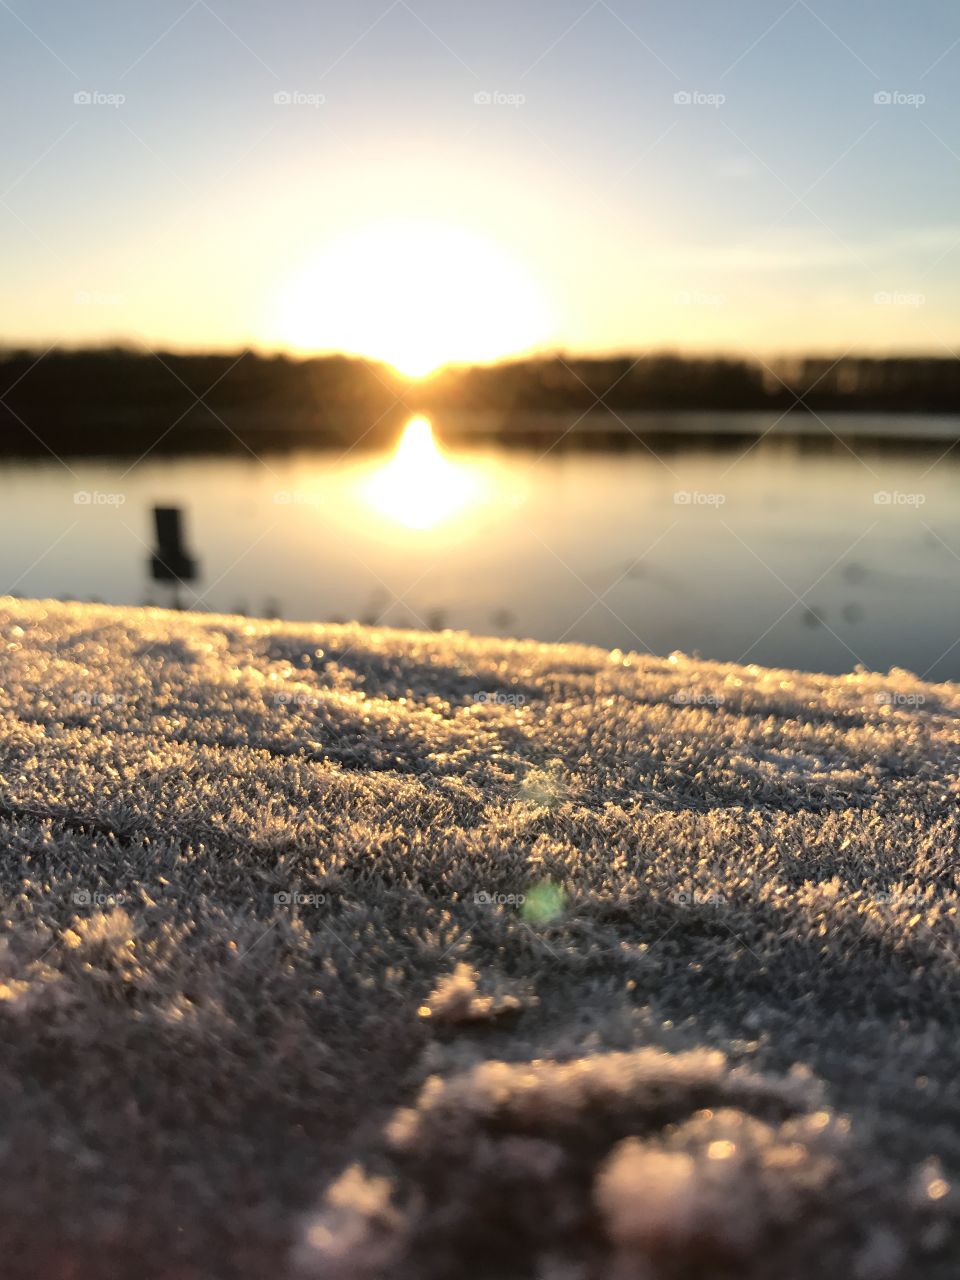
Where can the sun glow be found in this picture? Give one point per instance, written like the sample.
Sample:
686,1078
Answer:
416,295
420,487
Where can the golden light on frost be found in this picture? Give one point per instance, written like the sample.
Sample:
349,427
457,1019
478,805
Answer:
720,1150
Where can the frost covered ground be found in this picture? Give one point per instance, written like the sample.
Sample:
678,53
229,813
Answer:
340,953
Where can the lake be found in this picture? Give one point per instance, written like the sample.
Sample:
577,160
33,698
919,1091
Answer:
798,551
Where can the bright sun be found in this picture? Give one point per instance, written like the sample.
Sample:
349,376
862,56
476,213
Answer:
416,295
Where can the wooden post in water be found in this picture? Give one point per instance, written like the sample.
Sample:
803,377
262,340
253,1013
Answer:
171,562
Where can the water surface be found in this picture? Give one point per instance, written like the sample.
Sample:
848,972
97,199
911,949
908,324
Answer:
786,551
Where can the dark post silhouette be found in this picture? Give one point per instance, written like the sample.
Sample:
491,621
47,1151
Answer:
171,562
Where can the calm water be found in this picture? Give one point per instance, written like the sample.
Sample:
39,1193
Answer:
781,553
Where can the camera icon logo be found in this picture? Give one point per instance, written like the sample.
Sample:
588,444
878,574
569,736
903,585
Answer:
283,899
683,98
883,98
82,898
483,98
83,98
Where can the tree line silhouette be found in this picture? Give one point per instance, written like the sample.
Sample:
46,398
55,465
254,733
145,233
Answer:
123,400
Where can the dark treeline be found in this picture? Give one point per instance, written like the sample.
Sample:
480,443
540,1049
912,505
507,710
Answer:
116,399
120,400
673,382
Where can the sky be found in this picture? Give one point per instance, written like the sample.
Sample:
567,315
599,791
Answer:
429,179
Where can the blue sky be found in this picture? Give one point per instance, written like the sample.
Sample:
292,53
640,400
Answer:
782,208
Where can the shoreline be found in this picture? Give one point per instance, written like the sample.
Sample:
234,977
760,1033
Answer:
128,434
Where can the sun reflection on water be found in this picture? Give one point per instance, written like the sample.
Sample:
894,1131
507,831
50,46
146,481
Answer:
420,487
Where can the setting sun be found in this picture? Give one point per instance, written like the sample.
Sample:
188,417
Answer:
416,295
